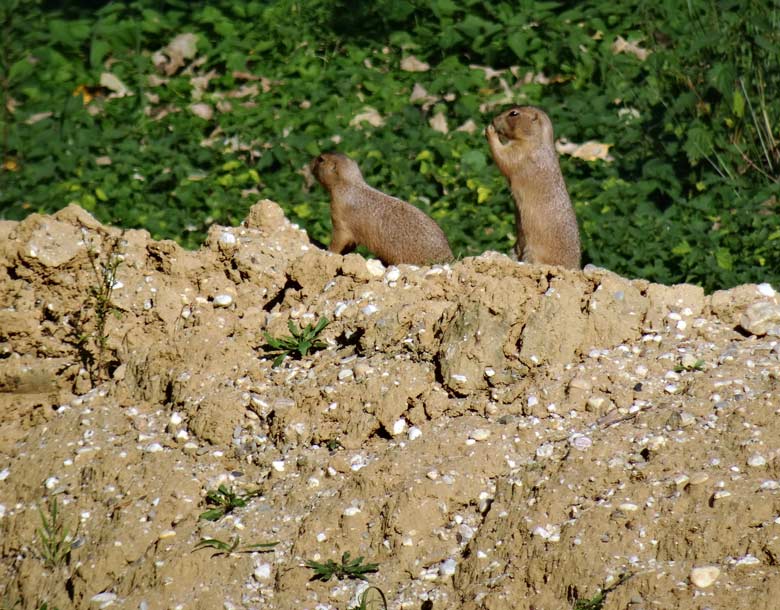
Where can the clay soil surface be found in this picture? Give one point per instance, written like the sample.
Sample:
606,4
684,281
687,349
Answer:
493,435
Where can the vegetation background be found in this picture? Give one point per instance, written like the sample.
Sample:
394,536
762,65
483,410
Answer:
680,100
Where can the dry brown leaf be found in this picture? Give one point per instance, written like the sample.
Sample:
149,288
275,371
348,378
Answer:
420,94
38,116
370,116
489,72
621,45
201,83
589,151
11,104
204,111
113,84
469,127
103,160
171,58
438,122
411,64
245,91
155,81
224,106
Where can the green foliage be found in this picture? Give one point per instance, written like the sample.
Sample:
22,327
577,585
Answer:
224,501
54,538
234,546
88,332
597,601
298,343
692,193
348,568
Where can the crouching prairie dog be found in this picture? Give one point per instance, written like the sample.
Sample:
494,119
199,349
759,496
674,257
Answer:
393,230
547,229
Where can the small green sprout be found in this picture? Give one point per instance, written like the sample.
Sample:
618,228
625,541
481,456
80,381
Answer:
298,343
55,540
348,568
224,501
234,546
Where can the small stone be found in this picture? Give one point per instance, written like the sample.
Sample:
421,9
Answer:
223,300
104,600
278,465
369,309
580,383
756,460
4,474
766,290
351,511
699,478
345,374
628,507
262,572
393,273
399,427
689,361
447,567
375,267
176,418
705,576
762,318
770,485
167,534
747,560
458,378
51,482
580,442
153,448
414,433
227,238
544,451
480,434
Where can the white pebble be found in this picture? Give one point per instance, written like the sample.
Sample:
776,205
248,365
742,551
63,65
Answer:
4,474
351,511
628,507
544,451
581,442
533,401
756,460
375,267
480,434
227,238
705,576
392,275
770,485
278,465
153,448
262,572
176,418
369,309
322,537
414,433
2,511
399,427
748,560
340,307
346,374
459,378
51,482
671,388
104,599
447,567
766,290
223,300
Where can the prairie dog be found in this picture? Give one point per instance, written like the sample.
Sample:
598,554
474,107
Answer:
395,231
547,229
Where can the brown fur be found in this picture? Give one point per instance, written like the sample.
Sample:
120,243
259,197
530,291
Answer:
547,229
393,230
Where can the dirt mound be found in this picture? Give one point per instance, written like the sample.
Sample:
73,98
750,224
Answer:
492,434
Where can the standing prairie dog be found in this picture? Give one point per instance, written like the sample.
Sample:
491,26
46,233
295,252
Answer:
395,231
547,229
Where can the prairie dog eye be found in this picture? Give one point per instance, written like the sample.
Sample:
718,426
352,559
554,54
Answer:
514,113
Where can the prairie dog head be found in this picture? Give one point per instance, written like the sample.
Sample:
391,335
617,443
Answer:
333,169
525,124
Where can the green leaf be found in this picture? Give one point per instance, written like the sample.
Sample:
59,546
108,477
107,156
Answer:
738,104
724,259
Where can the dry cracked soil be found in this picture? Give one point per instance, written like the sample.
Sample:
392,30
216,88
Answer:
492,435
